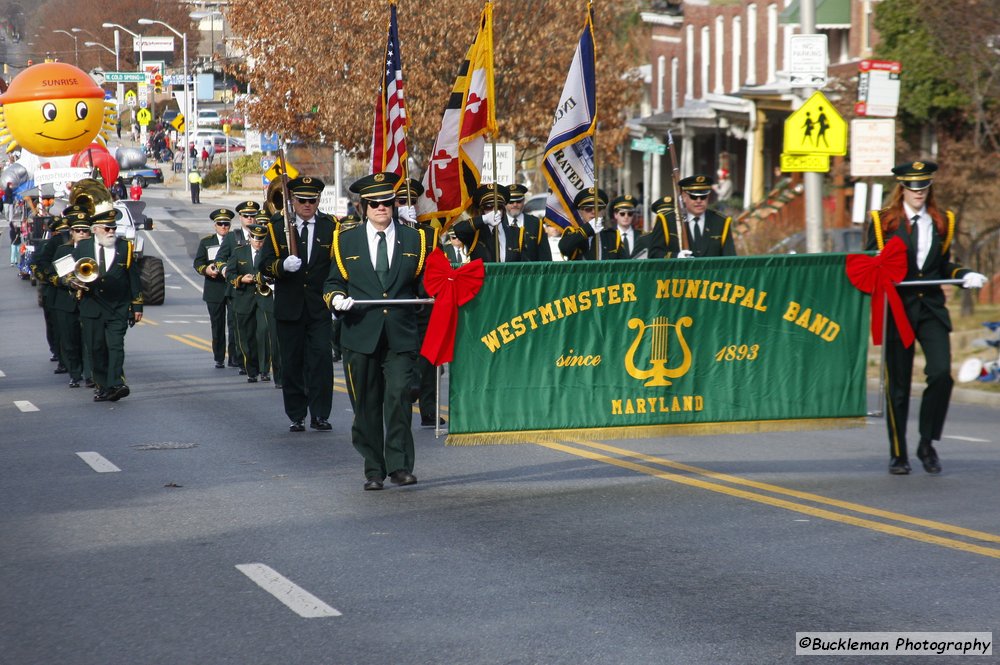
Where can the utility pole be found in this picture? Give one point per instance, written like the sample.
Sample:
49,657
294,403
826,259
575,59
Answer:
813,181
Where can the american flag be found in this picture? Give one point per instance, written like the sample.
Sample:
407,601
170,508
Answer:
389,129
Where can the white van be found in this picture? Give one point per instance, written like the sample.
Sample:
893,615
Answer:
209,118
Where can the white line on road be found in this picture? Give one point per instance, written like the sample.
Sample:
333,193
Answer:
966,438
2,374
98,463
149,237
293,596
24,405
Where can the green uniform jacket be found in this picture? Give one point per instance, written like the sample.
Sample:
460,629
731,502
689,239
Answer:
477,236
716,239
65,297
577,243
116,291
230,242
353,275
938,265
302,289
245,296
214,290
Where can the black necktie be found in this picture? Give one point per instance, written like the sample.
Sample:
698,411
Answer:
697,230
382,260
100,260
304,241
628,251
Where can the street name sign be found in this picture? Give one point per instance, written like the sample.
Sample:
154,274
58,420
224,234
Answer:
125,77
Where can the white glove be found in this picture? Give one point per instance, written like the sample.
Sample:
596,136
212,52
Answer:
291,263
341,304
408,214
974,280
597,224
685,254
493,218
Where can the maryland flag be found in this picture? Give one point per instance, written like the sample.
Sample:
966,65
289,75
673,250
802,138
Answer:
455,164
389,128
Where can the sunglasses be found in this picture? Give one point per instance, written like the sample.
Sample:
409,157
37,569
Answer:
306,201
623,212
372,205
697,197
223,224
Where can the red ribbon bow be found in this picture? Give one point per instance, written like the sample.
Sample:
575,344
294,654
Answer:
878,275
451,289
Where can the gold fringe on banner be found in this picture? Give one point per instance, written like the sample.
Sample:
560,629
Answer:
652,431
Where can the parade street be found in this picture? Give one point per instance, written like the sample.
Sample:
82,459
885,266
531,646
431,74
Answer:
185,525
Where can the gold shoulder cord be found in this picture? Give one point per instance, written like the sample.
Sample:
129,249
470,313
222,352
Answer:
423,250
951,232
725,229
877,226
335,253
128,254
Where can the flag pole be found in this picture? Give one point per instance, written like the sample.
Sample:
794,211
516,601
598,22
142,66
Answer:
597,189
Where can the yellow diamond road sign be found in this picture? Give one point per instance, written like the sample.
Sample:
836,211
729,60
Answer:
178,122
816,128
274,172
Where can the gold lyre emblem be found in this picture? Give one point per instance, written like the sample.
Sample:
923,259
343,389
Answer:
659,351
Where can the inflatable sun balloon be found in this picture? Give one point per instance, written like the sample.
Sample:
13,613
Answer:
52,109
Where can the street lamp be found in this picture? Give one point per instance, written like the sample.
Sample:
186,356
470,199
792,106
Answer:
198,16
187,101
136,36
106,48
76,48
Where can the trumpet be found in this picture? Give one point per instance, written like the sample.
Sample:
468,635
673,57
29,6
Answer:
85,271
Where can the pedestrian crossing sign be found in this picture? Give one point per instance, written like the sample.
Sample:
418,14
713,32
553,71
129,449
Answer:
816,128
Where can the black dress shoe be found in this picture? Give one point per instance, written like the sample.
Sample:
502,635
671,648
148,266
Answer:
101,396
116,393
320,424
373,485
898,466
54,357
89,383
928,457
428,423
74,383
265,377
297,426
220,365
402,478
251,379
60,369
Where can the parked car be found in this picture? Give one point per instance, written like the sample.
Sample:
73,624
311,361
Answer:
535,205
209,118
145,175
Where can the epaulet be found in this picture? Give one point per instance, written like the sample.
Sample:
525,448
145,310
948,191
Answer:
335,249
950,235
877,228
725,229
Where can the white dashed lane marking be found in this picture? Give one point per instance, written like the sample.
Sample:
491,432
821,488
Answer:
293,596
98,463
966,438
25,406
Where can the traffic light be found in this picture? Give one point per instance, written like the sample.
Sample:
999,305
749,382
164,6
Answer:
158,83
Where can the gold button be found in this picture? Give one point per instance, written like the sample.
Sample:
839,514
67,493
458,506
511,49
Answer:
385,311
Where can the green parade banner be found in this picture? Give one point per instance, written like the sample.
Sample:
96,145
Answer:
636,348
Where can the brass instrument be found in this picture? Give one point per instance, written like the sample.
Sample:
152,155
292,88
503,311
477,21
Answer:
274,200
92,195
85,271
680,212
264,285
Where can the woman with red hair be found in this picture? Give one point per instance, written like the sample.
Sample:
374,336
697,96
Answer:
927,231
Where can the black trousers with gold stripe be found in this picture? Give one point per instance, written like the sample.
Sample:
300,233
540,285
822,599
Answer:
933,336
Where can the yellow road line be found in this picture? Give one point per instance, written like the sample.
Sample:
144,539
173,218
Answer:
147,321
778,503
807,496
202,340
199,346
